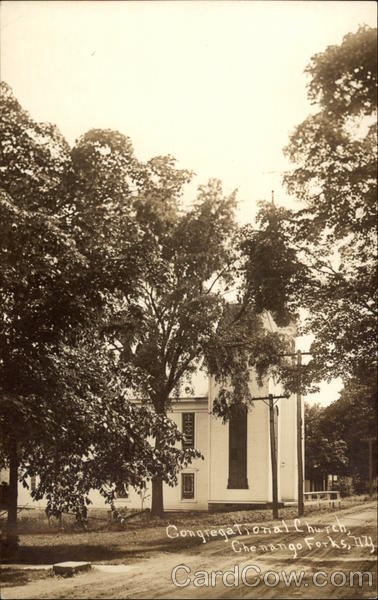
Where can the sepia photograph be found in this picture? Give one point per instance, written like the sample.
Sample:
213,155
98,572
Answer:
188,299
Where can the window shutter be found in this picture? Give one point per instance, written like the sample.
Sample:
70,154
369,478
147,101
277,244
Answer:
188,429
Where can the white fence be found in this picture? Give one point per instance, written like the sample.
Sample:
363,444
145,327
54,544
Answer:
330,497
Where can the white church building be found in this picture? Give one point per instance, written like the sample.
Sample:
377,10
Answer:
236,470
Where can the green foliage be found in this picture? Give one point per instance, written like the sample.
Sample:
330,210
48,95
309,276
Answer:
33,157
336,435
354,417
271,270
180,318
335,157
345,486
344,78
71,251
114,288
325,454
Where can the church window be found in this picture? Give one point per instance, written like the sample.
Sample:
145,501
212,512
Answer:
237,464
187,486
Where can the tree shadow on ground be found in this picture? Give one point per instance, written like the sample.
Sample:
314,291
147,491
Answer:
14,578
43,554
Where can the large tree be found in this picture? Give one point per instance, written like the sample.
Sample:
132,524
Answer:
38,258
71,251
182,317
334,177
131,266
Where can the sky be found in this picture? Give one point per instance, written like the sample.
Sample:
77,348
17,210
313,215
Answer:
219,85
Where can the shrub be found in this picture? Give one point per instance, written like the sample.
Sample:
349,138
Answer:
345,486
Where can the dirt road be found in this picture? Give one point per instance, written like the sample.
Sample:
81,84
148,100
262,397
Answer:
323,551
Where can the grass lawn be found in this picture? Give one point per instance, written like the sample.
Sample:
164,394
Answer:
137,538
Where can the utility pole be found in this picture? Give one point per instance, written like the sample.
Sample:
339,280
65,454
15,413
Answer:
370,441
298,355
273,457
273,452
299,437
299,421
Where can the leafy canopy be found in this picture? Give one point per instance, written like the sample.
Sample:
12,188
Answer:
113,288
182,318
72,250
334,153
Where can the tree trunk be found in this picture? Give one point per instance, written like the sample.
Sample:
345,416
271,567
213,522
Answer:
157,505
157,502
11,543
